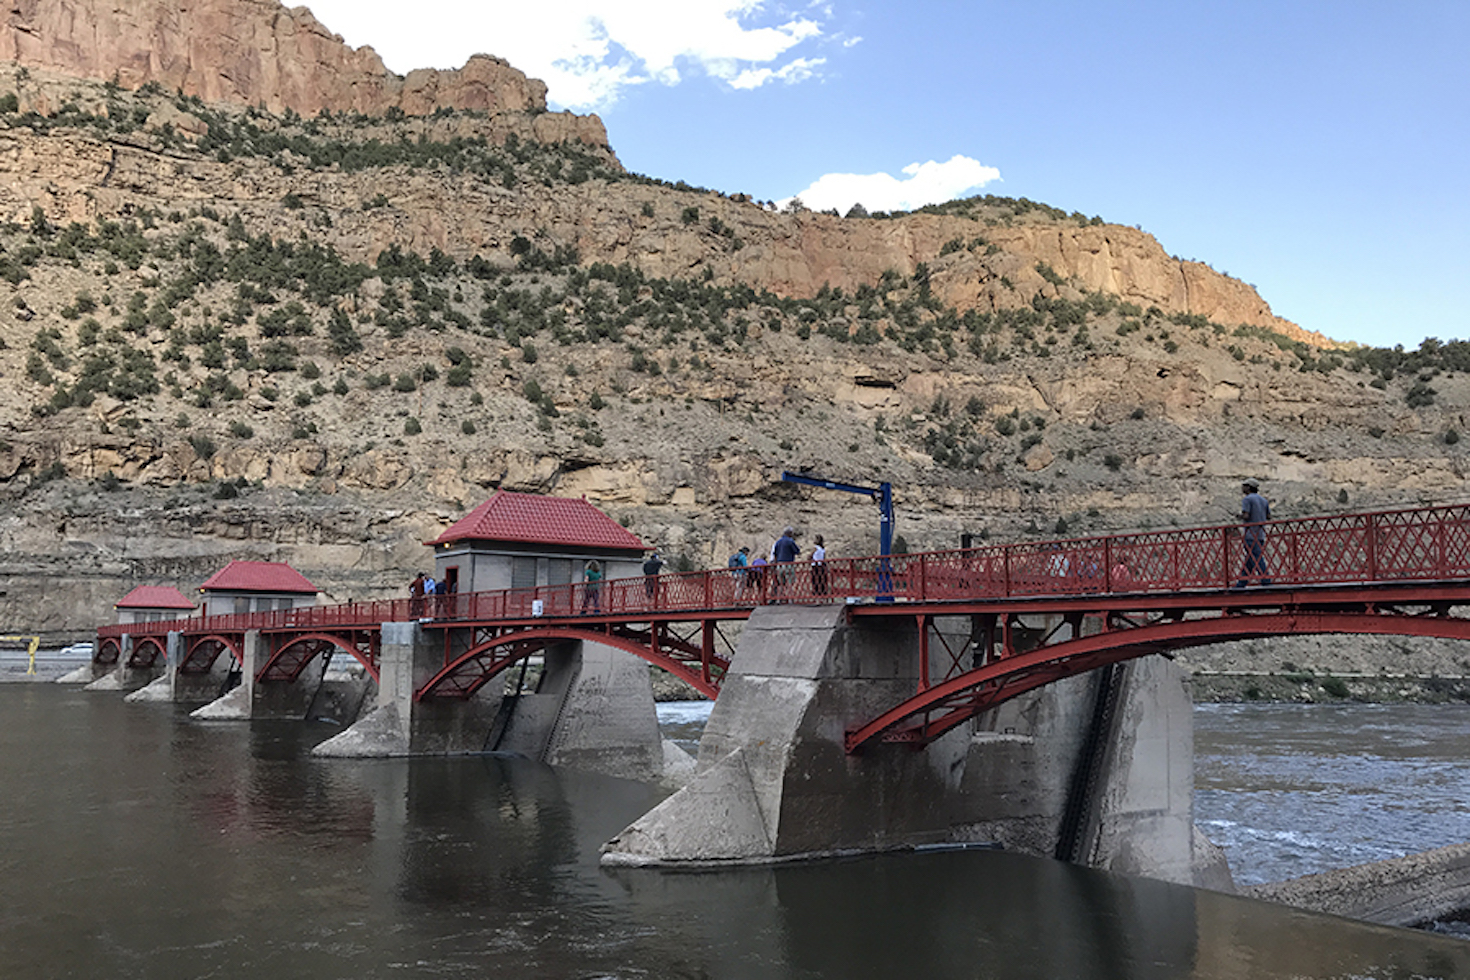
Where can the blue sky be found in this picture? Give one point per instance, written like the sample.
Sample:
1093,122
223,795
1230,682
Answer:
1319,151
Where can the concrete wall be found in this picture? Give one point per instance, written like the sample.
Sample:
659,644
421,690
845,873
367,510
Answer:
775,783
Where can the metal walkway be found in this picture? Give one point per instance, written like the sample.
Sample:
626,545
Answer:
1098,601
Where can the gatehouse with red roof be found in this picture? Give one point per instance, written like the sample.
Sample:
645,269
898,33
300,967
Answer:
256,586
524,540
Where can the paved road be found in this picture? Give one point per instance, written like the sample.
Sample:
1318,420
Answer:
49,664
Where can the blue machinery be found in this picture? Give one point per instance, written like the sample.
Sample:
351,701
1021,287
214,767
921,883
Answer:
883,494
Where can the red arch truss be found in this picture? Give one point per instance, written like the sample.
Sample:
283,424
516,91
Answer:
937,709
205,650
108,651
695,664
147,651
294,652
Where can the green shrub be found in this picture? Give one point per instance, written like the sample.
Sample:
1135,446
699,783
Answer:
241,430
1335,686
1113,462
467,427
412,427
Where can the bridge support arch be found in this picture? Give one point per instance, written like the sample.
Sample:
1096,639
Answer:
592,709
775,782
132,663
266,691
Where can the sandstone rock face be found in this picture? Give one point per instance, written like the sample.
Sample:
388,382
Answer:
251,52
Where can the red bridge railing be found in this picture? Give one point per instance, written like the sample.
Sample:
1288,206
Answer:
1343,549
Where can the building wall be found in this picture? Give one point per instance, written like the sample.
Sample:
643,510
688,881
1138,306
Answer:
152,615
231,603
485,571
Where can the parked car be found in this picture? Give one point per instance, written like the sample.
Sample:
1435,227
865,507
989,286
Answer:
78,650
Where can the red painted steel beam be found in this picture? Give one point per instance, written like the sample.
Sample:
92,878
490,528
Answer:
540,637
147,645
193,664
1008,677
283,655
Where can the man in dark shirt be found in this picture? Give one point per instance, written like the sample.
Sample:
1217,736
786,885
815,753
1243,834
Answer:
1254,513
784,553
650,575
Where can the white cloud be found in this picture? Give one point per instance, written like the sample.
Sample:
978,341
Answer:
588,51
924,183
796,71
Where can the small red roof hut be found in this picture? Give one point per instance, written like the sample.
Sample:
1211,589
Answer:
152,604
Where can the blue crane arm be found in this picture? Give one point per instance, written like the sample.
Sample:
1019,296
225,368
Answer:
882,493
812,481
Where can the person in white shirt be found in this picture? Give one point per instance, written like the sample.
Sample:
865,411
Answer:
819,566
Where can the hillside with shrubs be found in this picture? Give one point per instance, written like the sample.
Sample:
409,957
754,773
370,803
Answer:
226,333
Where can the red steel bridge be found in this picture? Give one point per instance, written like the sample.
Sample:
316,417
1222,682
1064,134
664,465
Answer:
1104,600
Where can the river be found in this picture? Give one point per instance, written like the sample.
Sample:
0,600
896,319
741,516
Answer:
141,843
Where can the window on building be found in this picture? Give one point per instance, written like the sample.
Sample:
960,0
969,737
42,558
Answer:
559,571
522,573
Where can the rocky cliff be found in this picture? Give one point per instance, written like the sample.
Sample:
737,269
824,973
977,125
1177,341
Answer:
230,333
250,52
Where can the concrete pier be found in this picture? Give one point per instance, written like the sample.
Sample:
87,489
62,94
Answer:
593,710
774,782
121,677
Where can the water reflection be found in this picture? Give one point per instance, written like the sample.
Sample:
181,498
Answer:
140,843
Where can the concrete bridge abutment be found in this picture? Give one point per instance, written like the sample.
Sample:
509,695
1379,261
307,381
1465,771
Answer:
775,783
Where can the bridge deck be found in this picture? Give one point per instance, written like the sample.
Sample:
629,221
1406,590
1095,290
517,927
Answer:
1390,571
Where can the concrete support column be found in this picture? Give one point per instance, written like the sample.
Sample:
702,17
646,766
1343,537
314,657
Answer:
775,783
408,657
593,709
122,677
238,704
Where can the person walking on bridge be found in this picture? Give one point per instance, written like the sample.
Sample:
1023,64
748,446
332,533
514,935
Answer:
1254,513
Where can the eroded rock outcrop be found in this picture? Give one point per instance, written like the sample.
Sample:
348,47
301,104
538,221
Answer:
254,52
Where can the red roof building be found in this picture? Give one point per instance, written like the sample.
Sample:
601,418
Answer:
532,519
152,604
256,586
517,540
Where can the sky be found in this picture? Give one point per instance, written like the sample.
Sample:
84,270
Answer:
1319,151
